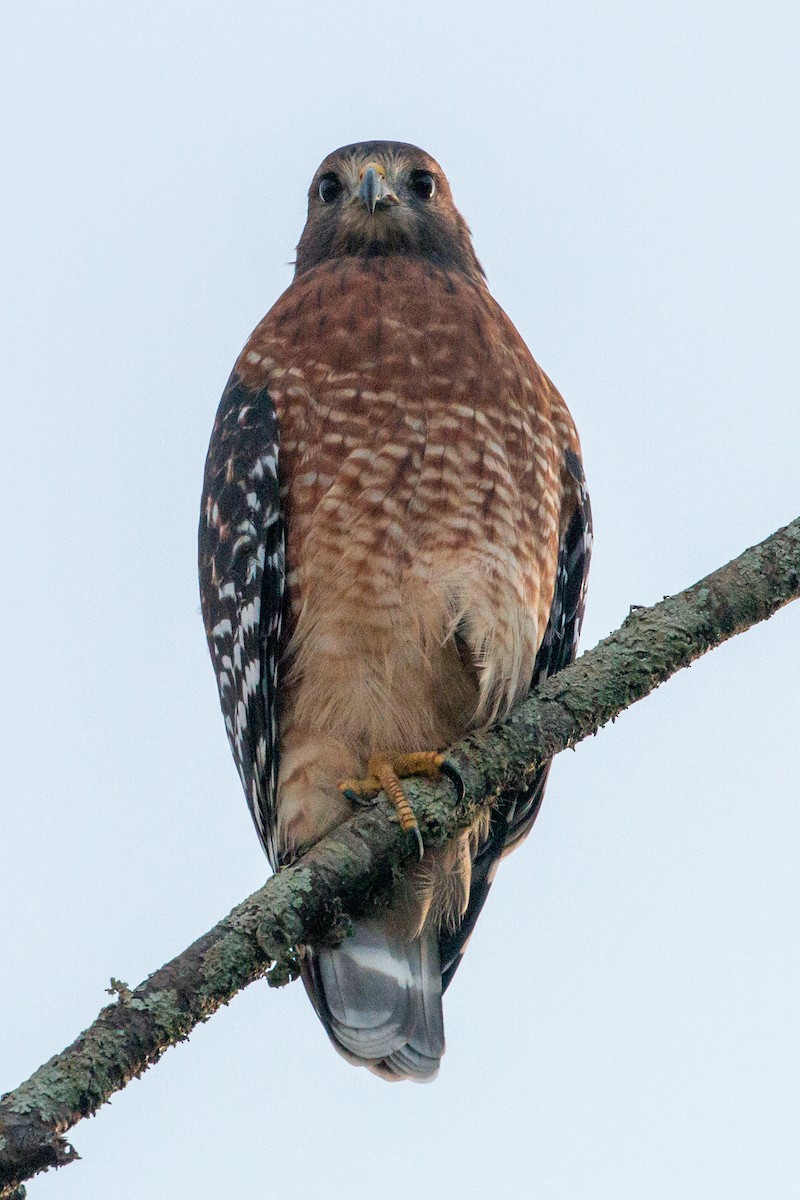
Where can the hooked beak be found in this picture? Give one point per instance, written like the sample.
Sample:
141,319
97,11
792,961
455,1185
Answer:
373,189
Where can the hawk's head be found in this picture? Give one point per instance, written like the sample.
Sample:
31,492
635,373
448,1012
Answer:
383,198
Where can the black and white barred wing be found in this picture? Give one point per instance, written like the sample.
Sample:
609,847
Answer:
241,563
512,821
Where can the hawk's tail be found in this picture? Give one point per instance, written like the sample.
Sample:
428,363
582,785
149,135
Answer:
380,999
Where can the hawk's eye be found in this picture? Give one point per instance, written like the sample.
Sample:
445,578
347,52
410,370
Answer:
329,187
422,184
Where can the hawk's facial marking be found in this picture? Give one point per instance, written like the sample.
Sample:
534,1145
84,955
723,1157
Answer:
375,199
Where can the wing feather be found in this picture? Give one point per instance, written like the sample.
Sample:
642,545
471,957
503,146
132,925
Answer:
241,551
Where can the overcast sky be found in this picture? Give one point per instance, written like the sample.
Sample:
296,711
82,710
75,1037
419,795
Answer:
625,1024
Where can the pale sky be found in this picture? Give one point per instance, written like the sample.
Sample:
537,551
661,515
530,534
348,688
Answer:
625,1024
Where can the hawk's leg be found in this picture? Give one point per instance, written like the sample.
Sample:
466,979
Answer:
384,774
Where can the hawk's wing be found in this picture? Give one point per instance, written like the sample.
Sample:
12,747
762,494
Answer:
512,820
241,560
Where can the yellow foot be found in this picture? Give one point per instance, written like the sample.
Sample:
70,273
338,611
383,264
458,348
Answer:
384,774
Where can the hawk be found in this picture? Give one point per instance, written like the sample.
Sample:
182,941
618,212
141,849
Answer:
394,542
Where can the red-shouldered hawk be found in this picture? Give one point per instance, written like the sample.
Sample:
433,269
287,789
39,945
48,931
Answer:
394,542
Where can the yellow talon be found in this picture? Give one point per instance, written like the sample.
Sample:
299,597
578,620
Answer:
385,773
360,789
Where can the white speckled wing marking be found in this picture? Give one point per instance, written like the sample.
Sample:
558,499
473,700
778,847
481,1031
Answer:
242,571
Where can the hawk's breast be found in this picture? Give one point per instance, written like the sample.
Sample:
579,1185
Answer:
421,469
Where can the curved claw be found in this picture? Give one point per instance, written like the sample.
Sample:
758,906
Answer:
415,837
360,800
361,792
450,771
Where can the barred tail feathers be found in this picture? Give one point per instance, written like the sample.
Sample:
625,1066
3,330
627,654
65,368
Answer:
379,997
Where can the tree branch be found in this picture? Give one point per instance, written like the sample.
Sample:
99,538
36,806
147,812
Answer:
353,868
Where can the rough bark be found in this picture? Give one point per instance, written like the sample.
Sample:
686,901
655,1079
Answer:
353,868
